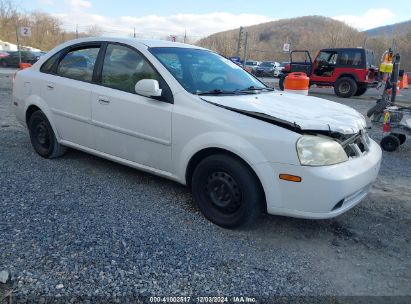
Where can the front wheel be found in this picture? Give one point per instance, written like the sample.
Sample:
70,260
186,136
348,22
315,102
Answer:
345,87
227,192
42,136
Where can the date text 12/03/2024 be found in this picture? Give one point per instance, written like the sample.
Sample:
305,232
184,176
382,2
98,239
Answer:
218,299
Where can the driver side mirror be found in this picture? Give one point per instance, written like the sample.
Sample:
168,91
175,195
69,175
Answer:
148,87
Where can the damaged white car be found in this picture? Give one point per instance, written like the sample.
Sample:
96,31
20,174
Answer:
192,116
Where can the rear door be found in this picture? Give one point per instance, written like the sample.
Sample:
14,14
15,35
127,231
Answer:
127,125
67,91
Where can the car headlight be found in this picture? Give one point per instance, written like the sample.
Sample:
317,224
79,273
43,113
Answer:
319,151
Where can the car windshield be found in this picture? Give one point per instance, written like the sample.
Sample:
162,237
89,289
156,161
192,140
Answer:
205,72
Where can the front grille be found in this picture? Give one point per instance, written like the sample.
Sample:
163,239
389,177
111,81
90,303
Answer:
357,145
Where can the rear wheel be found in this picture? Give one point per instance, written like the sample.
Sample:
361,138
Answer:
345,87
227,192
390,143
42,136
361,90
401,137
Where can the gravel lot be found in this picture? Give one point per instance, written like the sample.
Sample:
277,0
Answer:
81,226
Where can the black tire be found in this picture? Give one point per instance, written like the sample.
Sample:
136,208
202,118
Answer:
361,90
281,82
402,138
42,136
390,143
227,191
345,87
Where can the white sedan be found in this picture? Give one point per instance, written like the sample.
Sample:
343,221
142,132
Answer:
187,114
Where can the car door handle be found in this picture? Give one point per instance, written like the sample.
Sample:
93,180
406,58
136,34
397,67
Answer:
50,86
103,101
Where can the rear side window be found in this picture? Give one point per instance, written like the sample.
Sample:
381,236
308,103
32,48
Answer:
351,58
47,67
79,64
123,67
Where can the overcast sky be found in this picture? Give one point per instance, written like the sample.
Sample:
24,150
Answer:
201,18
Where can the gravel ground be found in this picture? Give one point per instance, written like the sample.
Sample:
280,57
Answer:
81,226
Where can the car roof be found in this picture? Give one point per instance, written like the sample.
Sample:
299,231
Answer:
149,43
346,49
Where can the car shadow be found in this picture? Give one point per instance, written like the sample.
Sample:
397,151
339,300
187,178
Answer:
271,226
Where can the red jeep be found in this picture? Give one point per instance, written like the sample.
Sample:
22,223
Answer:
349,70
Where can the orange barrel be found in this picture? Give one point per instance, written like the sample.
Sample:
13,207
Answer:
24,65
297,83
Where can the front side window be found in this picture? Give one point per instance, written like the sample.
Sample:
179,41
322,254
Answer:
78,64
327,57
202,71
123,67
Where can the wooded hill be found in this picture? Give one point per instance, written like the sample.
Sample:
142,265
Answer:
47,31
397,29
265,40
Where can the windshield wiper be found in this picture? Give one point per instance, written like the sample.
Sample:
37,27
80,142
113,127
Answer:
253,88
218,92
249,90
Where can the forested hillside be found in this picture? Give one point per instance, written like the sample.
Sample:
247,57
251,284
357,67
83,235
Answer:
265,40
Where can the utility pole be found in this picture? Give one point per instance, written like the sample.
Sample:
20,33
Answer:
394,76
76,30
245,48
185,35
240,38
134,33
18,43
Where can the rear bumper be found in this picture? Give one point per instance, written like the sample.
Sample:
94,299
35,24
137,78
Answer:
324,192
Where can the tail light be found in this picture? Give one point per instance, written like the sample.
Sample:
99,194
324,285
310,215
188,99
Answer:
287,67
386,125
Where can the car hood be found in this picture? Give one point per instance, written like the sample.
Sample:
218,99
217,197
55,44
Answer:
298,111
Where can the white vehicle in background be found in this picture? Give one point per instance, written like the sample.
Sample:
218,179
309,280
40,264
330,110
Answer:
266,68
279,69
189,115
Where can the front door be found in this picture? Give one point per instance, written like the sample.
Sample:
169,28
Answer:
127,125
324,66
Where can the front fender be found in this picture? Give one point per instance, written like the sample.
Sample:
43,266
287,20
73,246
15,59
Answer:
222,140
